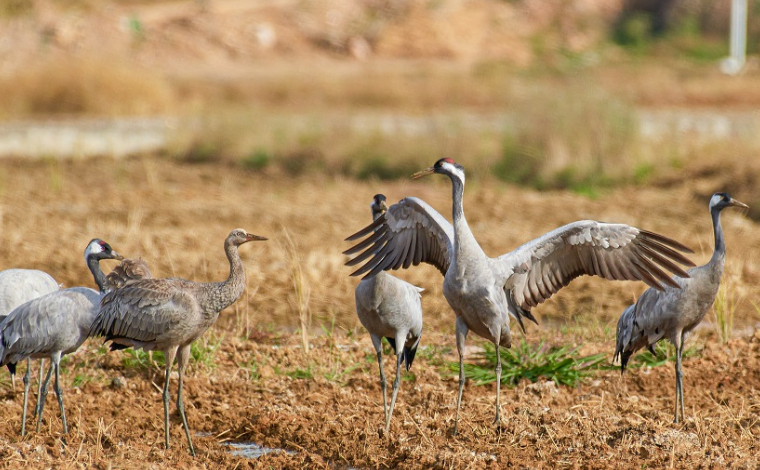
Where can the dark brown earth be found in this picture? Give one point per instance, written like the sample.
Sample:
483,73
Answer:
338,423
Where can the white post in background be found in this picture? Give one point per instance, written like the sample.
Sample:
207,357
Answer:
738,45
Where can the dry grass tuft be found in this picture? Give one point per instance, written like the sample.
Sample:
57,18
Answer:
85,86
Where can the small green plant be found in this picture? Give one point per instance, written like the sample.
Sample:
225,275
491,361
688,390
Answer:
299,373
203,352
524,361
665,353
141,359
81,379
258,160
253,370
634,32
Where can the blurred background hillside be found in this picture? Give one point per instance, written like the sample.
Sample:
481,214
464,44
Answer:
606,107
552,94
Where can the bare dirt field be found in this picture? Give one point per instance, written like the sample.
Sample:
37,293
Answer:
252,382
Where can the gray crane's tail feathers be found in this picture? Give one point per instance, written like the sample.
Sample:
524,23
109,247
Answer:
520,312
11,367
624,356
407,354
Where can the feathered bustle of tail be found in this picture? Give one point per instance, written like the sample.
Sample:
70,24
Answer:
407,354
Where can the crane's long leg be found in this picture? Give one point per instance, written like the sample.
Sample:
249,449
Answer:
678,373
377,343
58,392
461,332
26,397
39,380
42,397
169,355
182,359
679,379
497,419
400,339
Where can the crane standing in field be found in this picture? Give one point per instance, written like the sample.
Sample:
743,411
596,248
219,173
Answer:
169,314
18,286
484,292
391,308
674,312
53,325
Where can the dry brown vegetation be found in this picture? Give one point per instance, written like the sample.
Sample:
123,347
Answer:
267,141
326,405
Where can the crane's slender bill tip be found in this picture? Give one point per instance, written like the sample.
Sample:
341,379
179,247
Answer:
425,172
117,256
736,203
252,237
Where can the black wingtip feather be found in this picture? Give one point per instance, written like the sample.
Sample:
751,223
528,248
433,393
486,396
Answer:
624,356
369,228
666,241
409,354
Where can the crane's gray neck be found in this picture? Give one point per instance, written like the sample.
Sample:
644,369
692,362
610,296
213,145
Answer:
464,240
221,295
100,279
720,243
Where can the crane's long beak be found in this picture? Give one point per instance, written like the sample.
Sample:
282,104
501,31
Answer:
735,203
251,237
425,172
116,255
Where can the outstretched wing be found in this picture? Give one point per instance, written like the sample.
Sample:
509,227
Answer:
409,233
541,267
142,310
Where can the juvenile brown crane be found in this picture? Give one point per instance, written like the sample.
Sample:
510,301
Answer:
675,311
390,307
127,272
169,314
484,292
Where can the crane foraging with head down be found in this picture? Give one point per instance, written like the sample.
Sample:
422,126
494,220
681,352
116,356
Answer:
391,308
485,292
675,311
169,314
54,325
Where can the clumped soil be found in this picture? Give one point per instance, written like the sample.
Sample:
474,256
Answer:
251,381
607,421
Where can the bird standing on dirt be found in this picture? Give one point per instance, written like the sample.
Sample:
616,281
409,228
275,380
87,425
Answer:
391,308
169,314
484,292
53,325
674,312
18,286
